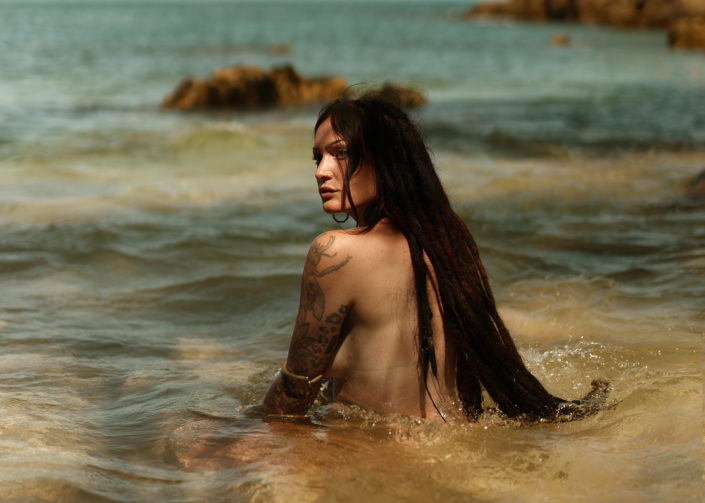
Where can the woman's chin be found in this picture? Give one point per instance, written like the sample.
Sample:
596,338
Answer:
332,209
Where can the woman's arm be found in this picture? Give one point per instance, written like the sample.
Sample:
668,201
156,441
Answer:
323,308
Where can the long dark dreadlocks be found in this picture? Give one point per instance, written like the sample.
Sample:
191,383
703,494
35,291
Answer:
412,198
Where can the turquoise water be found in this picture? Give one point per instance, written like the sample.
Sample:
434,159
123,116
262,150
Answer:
150,260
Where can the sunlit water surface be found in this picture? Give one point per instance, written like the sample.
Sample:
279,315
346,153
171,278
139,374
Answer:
150,261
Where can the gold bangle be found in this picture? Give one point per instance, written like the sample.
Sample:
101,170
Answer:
295,376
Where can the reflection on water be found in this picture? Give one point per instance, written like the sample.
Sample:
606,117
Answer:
150,261
351,454
136,330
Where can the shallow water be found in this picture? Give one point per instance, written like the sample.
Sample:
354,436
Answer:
150,261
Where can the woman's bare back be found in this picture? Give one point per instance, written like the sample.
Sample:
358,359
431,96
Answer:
376,365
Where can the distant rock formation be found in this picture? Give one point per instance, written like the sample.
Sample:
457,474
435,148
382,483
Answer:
249,87
560,40
687,33
645,13
678,15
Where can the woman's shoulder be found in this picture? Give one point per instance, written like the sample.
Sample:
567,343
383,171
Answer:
333,241
334,248
368,245
330,252
355,239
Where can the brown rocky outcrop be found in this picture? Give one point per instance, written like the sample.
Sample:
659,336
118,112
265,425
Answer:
683,18
641,13
248,87
560,40
687,33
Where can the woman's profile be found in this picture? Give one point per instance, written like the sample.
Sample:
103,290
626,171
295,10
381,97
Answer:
398,312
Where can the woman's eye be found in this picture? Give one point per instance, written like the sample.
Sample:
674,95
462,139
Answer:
341,153
317,159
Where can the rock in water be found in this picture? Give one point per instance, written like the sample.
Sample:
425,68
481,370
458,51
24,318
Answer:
560,40
248,87
625,13
687,33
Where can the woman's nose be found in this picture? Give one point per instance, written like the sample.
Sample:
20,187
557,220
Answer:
323,172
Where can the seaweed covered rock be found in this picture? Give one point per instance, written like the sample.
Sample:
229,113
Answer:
249,87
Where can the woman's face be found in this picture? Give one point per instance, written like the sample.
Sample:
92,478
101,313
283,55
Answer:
331,156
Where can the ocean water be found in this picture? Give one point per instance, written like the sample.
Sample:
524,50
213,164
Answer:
150,260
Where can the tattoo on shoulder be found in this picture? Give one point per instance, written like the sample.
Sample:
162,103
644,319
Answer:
313,297
316,254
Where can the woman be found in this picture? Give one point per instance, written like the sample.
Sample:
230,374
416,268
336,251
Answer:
398,312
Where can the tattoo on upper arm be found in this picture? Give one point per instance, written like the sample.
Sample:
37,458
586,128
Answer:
310,351
295,396
313,298
314,350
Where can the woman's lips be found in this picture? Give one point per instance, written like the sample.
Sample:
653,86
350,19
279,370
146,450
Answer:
326,193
